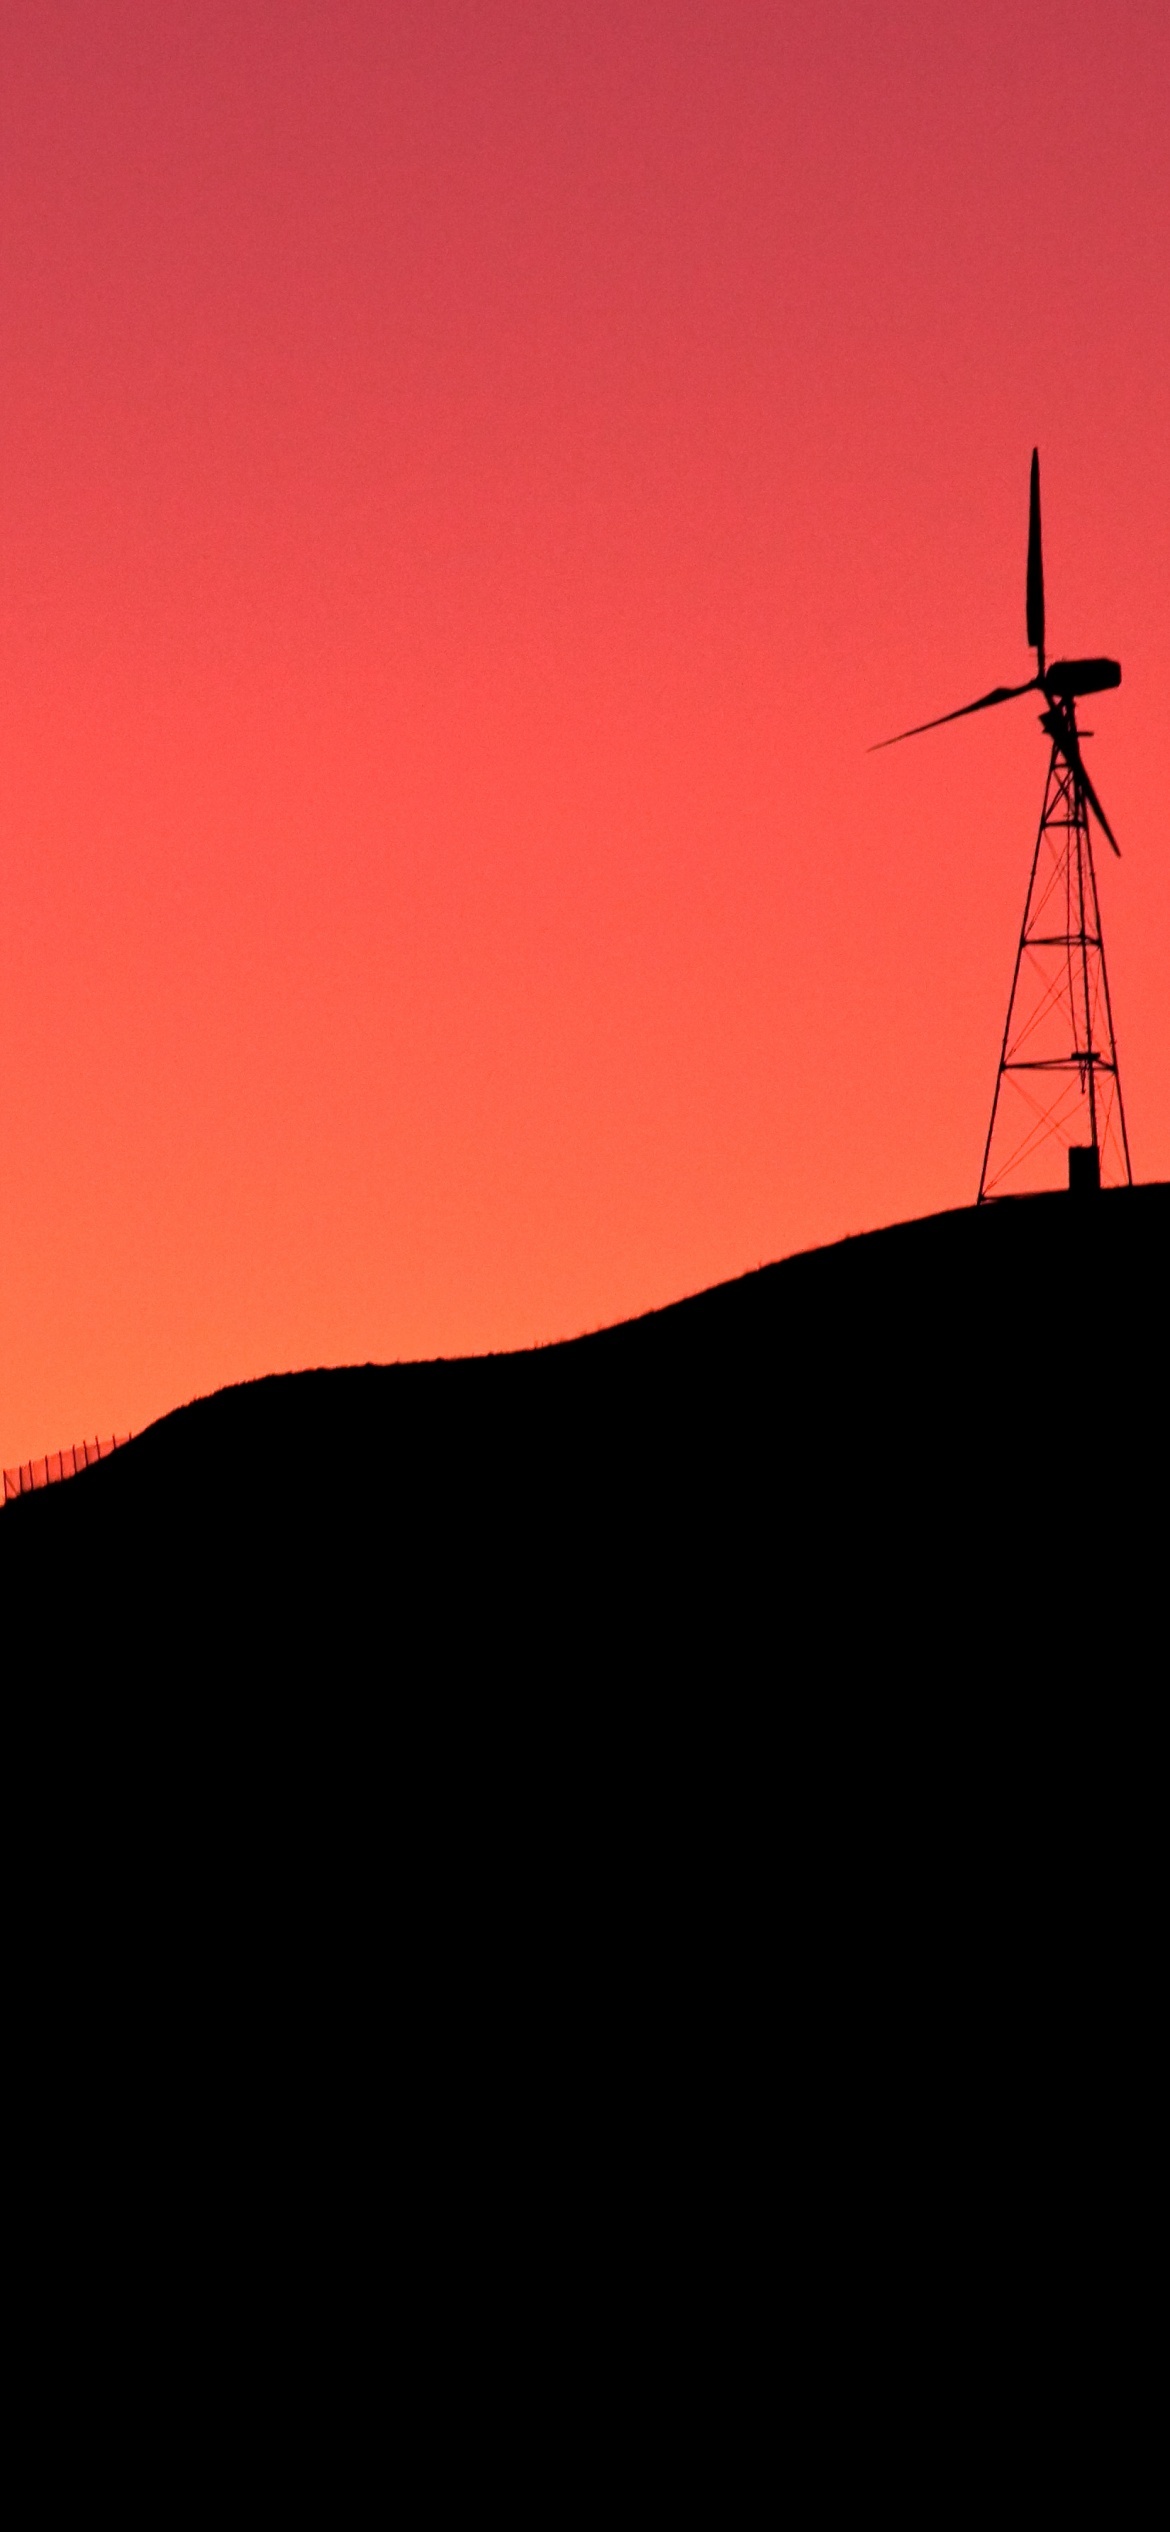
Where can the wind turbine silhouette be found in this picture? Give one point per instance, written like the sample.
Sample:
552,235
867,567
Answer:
1063,960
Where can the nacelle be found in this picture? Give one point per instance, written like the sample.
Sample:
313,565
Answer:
1068,677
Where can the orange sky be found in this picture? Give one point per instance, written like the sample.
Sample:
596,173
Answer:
474,477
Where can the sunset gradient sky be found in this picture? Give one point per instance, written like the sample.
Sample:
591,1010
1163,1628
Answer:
475,475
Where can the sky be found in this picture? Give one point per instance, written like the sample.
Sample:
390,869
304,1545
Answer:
476,476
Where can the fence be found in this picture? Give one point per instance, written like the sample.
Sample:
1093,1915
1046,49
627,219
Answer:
35,1473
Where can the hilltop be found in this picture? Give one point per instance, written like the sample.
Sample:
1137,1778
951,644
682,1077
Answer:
985,1367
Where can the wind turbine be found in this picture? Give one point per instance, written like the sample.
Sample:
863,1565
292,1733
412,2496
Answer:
1057,1076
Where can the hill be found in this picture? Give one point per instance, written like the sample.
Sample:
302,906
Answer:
977,1375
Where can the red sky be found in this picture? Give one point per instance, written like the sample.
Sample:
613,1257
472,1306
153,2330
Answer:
474,477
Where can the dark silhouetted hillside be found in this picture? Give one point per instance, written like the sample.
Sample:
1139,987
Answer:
948,1388
711,1764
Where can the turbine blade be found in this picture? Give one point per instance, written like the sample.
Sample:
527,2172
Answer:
1035,603
1070,749
999,694
1099,813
